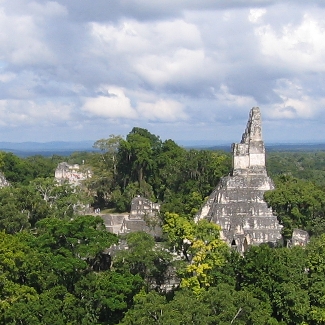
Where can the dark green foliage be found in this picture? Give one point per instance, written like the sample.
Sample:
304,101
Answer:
48,277
84,236
13,217
280,277
15,169
136,156
304,165
300,190
104,167
145,258
218,305
21,206
19,170
195,174
43,167
107,295
298,204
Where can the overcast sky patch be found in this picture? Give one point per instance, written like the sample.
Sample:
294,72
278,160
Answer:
82,70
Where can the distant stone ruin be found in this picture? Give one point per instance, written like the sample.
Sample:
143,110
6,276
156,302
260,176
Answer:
71,174
3,181
237,203
143,217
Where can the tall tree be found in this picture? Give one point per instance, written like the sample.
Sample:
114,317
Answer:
201,247
109,148
136,155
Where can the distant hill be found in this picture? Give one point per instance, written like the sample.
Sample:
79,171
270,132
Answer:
296,147
25,149
292,147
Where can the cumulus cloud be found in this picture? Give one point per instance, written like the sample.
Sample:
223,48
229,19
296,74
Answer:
22,42
256,14
154,52
299,47
15,113
226,99
296,102
114,104
138,36
162,110
182,67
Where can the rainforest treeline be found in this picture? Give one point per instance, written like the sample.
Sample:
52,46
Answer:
58,265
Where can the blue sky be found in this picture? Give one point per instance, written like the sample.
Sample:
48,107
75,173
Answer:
186,70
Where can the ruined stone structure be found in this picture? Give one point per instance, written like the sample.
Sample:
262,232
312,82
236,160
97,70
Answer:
143,217
71,173
299,238
237,203
3,181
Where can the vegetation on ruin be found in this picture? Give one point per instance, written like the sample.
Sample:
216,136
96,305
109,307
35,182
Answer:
56,265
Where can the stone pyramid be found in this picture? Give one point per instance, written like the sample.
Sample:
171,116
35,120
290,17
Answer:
237,203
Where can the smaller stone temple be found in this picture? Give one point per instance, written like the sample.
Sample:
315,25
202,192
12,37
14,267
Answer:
143,217
142,207
299,238
237,203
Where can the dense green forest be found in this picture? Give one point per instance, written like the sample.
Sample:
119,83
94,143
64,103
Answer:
57,264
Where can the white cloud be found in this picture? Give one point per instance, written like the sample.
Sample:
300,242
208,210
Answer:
296,102
225,98
22,42
162,110
159,52
21,112
256,14
138,37
182,67
297,108
115,104
300,47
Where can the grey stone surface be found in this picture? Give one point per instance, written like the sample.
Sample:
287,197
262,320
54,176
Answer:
237,203
299,238
143,217
141,207
113,222
71,173
3,181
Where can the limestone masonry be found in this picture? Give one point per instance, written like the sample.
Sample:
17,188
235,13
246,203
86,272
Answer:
71,173
237,203
143,217
3,181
